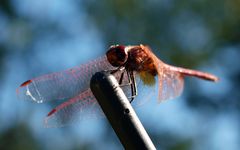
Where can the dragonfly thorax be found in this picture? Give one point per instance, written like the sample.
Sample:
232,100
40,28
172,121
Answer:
132,58
140,61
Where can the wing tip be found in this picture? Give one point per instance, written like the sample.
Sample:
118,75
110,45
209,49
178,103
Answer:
46,120
23,85
51,112
26,83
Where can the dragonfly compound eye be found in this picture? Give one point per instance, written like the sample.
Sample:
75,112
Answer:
117,55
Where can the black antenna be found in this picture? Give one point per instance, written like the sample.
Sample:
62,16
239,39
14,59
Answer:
119,112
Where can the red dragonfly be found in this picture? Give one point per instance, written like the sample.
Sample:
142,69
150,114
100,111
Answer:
124,62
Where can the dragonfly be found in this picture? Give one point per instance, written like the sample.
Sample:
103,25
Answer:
127,63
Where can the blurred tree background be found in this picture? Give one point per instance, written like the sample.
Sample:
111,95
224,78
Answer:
38,37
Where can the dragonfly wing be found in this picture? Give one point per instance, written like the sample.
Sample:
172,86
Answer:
171,80
170,83
62,85
74,110
80,107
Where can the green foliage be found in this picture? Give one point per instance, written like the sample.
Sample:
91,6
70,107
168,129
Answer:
18,138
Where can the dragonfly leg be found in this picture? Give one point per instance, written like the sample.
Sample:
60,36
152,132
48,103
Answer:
120,82
121,78
131,80
121,68
132,83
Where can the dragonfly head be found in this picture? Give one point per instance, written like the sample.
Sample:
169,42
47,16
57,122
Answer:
117,55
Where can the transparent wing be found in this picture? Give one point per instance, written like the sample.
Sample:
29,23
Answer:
80,107
170,78
62,85
170,83
74,110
